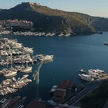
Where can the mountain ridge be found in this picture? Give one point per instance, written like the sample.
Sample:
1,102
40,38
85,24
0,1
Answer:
46,19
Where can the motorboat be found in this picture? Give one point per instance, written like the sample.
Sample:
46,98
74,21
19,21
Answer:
10,73
86,77
106,43
82,70
27,69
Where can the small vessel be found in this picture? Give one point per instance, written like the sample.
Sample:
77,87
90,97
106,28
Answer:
28,50
106,43
61,34
86,77
48,58
96,71
10,74
67,35
53,89
82,70
45,58
27,69
99,32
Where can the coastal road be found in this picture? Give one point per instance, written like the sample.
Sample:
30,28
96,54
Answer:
76,99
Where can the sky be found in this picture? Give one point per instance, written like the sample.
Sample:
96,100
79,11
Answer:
91,7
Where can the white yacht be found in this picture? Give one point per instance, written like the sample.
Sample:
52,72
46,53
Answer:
82,70
86,77
61,34
67,35
48,58
27,69
96,71
4,53
28,50
10,73
17,45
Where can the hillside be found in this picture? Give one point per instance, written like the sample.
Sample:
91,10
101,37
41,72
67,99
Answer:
53,20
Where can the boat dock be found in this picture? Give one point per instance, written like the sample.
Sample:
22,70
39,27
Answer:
93,75
14,58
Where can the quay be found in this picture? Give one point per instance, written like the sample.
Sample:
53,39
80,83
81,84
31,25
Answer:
75,100
12,102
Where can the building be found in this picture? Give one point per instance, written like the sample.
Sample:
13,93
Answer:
66,89
39,104
44,104
18,24
59,95
10,102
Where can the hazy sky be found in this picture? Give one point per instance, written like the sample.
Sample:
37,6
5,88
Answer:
92,7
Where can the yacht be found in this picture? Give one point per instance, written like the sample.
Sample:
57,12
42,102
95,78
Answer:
4,53
82,70
48,58
17,45
61,34
27,69
28,50
45,58
86,77
10,73
96,71
106,43
67,35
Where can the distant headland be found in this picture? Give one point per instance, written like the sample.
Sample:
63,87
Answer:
31,18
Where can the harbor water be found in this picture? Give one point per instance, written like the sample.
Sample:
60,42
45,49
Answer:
70,55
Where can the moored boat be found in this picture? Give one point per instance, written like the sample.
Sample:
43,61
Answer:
27,69
86,77
10,73
106,43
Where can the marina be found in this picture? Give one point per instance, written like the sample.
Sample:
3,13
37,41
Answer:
82,51
14,59
12,85
93,75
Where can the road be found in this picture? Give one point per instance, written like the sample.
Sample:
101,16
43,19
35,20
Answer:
76,99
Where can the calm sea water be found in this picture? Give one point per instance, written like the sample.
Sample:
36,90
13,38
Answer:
70,55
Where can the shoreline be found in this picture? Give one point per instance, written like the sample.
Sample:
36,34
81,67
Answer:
42,34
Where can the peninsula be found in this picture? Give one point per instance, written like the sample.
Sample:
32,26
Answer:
43,19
